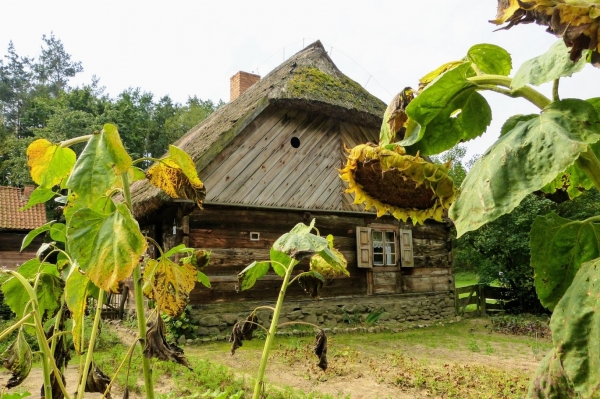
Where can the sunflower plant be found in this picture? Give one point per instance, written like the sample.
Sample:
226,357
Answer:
557,148
93,251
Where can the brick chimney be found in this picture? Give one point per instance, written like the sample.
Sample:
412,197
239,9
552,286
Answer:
240,82
27,190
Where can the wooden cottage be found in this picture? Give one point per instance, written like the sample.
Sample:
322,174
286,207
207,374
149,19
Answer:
269,160
15,224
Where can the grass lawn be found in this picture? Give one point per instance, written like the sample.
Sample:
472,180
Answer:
464,279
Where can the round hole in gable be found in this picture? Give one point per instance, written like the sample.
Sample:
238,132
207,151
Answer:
295,142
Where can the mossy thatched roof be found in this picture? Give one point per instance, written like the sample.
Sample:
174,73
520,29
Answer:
308,81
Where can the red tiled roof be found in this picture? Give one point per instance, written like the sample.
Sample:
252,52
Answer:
11,218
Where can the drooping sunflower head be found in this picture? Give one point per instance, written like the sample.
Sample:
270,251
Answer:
403,185
576,21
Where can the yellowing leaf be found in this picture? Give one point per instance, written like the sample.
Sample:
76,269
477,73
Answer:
395,119
100,165
106,246
431,76
176,175
77,291
169,284
49,163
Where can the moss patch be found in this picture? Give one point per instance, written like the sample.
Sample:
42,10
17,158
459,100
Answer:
313,84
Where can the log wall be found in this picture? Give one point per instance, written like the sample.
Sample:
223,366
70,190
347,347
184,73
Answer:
10,243
225,231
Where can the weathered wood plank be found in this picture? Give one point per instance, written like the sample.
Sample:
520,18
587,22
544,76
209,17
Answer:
276,168
215,170
301,165
282,173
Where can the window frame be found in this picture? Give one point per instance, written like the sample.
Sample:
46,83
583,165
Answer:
403,246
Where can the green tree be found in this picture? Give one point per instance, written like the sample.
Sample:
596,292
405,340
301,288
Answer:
16,83
499,252
55,67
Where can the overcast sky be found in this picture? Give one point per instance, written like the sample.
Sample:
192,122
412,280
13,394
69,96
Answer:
186,48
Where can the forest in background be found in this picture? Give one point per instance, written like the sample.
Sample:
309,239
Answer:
36,101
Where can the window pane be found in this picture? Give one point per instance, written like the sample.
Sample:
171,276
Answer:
389,236
377,236
378,259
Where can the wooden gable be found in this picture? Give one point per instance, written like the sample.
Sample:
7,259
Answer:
286,158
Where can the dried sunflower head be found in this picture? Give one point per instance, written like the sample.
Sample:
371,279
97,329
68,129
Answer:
403,185
576,21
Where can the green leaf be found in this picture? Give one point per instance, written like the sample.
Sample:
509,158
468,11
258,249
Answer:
58,232
251,273
299,242
573,180
106,247
16,395
34,233
514,121
490,59
136,174
203,279
575,328
77,291
17,358
279,261
553,64
447,112
48,291
523,161
49,163
99,166
314,274
559,247
550,380
181,248
38,196
595,103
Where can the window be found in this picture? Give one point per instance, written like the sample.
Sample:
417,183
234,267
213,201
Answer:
379,247
384,248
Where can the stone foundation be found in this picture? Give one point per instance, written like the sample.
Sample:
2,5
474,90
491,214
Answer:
350,312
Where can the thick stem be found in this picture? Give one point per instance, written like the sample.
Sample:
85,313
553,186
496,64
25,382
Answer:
139,304
18,324
526,92
127,356
271,335
76,140
46,371
90,352
41,336
555,96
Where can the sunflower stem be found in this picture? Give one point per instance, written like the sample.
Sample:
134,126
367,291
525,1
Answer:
139,303
487,82
258,387
90,352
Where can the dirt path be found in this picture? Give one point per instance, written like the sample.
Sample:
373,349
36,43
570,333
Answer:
361,366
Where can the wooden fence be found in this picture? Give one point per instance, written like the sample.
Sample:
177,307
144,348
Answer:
478,295
114,308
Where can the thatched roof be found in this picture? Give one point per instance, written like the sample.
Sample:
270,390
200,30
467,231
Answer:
309,81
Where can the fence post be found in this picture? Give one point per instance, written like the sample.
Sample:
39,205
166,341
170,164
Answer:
482,300
456,302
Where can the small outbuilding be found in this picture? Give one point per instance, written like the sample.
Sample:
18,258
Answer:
269,159
15,224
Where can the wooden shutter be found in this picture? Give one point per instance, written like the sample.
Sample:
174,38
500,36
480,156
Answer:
406,248
364,249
